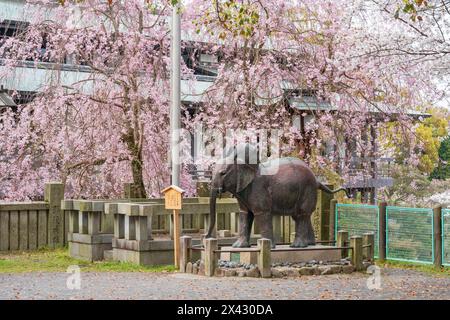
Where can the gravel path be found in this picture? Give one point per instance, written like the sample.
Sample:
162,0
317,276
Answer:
396,284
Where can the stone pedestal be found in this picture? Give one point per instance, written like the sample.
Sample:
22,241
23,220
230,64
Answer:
89,247
283,256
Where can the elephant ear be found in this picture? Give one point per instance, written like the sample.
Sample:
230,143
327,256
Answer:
245,175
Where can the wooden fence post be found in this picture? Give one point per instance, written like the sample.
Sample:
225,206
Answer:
437,232
332,223
264,257
54,194
369,243
210,256
342,241
382,231
185,257
357,258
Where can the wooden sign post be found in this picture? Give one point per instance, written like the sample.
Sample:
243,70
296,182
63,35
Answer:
172,200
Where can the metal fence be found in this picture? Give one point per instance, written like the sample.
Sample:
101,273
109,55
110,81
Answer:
446,237
357,219
409,234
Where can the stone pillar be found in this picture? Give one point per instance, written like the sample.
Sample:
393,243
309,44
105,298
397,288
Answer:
437,232
234,222
130,228
332,220
83,222
277,229
342,241
119,226
93,222
369,243
203,188
382,231
324,208
185,256
54,194
210,256
141,228
73,221
357,257
264,257
130,191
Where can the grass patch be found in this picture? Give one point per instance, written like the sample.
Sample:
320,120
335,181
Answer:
427,268
58,260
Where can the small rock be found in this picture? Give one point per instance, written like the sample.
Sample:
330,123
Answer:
330,269
218,272
241,273
366,264
253,272
292,272
306,271
195,268
230,273
348,269
201,269
276,273
189,267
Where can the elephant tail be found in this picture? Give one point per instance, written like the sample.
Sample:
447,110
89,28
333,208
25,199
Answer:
328,190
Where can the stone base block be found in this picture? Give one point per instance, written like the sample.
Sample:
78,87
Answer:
145,258
108,255
87,251
284,256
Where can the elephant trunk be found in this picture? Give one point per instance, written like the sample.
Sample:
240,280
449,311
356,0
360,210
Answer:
212,210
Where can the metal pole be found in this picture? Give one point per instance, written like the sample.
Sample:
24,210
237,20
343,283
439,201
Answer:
176,97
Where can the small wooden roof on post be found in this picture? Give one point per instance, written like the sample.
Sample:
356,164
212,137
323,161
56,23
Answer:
172,187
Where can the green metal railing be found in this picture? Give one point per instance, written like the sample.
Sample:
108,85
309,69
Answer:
409,234
357,219
446,237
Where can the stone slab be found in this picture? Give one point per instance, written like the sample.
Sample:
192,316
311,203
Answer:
88,252
102,238
284,256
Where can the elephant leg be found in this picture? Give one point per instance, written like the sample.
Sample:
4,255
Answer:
245,228
301,231
264,221
310,231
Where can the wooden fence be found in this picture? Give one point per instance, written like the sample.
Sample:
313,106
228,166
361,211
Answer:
33,225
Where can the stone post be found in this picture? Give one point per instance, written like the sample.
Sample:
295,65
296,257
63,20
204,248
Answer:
130,227
54,194
357,258
141,228
332,220
119,226
185,257
130,191
382,231
73,221
264,257
437,233
210,256
93,222
342,241
277,229
83,222
369,243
